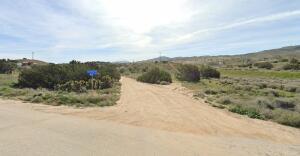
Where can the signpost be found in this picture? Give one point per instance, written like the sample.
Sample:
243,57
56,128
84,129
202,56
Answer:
92,73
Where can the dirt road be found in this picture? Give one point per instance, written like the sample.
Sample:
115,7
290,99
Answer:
148,120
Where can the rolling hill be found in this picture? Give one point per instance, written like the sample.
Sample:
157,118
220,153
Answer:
270,55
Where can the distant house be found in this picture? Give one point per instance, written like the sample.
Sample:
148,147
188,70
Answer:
27,63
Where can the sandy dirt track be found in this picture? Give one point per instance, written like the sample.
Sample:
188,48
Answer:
148,120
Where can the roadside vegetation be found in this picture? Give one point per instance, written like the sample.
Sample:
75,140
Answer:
262,88
64,84
269,99
187,72
7,66
156,76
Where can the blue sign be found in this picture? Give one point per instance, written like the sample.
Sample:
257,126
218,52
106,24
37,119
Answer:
92,72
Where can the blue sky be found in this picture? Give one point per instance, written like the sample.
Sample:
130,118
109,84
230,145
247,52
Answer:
119,30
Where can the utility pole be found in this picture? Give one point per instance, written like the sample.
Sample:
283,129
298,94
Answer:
32,55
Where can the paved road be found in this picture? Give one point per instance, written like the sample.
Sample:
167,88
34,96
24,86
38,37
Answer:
149,120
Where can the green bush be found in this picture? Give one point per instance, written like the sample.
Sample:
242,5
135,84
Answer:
224,100
290,88
7,66
106,82
286,117
266,65
211,91
251,112
291,67
271,92
49,76
285,103
294,64
209,72
264,103
155,76
188,72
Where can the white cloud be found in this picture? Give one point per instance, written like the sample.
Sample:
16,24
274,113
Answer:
208,31
137,28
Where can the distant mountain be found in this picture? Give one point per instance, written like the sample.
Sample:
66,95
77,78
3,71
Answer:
121,62
162,58
273,54
285,52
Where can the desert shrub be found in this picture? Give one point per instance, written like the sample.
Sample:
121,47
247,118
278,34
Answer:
209,72
37,99
265,103
106,82
188,72
285,103
238,87
294,64
108,69
247,87
261,85
271,92
266,65
155,76
7,66
199,94
224,100
294,61
218,106
122,70
284,60
249,111
286,117
49,76
291,67
211,91
275,86
227,81
164,83
245,65
290,88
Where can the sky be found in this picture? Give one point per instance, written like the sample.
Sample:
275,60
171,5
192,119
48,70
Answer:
132,30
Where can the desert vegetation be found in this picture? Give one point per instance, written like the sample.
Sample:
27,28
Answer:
7,66
261,89
259,85
156,76
293,65
64,84
266,65
187,72
262,98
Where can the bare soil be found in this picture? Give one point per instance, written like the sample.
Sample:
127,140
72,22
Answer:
169,118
